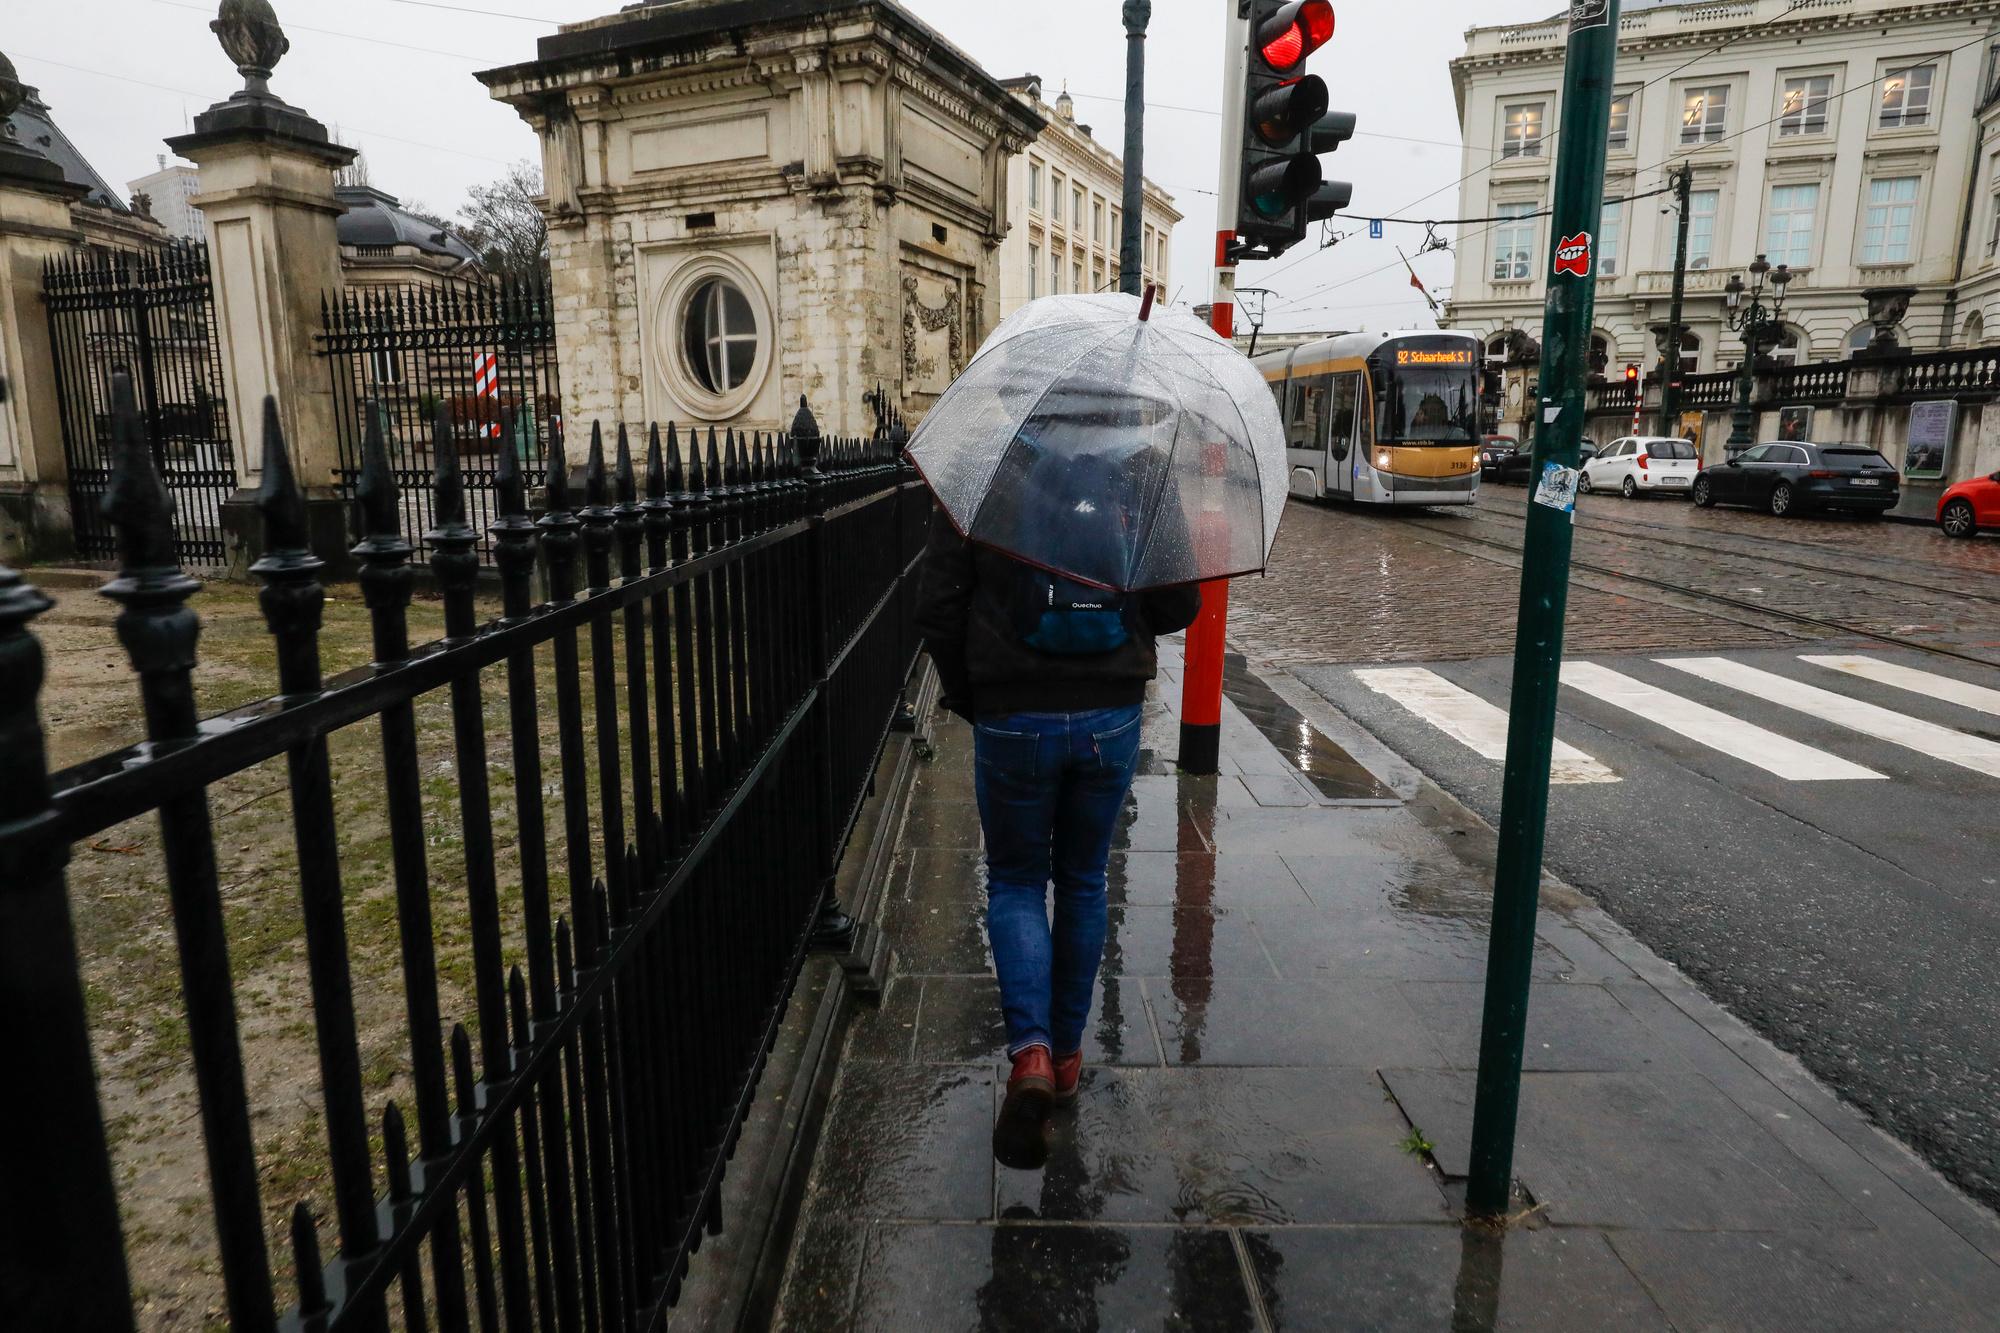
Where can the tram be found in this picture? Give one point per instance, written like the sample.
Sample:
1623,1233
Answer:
1389,419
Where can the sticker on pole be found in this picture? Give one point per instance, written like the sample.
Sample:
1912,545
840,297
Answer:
1557,488
1589,14
1573,255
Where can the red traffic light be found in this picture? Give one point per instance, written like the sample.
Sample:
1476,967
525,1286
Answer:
1631,374
1295,32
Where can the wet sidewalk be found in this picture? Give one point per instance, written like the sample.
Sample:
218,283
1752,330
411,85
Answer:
1275,1114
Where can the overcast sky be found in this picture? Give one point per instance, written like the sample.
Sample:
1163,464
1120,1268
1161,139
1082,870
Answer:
395,77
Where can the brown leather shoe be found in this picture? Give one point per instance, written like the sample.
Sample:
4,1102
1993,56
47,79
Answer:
1068,1072
1020,1136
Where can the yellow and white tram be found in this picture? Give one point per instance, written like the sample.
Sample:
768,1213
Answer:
1380,418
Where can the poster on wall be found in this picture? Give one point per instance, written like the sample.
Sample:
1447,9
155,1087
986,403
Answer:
1928,452
1795,423
1691,429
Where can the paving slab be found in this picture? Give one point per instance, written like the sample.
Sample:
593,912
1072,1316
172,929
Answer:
1424,1279
1241,1021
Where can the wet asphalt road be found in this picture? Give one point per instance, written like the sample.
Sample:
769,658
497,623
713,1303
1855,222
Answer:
1854,922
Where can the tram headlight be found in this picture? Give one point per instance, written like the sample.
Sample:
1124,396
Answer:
1382,460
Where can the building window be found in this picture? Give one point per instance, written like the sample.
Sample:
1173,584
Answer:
1891,220
1055,197
1076,207
1610,238
1993,231
1514,243
1620,137
1034,271
1097,221
1705,115
1035,186
1521,130
1160,265
1097,275
1788,239
1690,353
719,336
1702,206
1076,275
1906,97
1055,270
1859,337
1804,108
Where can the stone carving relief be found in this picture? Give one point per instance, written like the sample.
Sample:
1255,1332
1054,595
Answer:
933,335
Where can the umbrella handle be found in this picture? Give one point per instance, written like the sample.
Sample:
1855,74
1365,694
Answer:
1146,303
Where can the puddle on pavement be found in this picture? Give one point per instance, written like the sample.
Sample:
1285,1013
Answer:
1333,771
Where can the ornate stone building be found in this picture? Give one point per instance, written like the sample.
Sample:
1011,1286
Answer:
1064,211
750,200
1841,137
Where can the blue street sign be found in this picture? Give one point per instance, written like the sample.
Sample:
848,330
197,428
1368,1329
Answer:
1375,229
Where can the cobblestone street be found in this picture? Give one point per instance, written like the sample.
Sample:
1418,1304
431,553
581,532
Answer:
1358,585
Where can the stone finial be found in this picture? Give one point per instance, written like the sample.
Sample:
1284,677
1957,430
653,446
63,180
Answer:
251,36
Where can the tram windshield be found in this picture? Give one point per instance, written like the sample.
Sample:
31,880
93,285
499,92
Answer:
1430,395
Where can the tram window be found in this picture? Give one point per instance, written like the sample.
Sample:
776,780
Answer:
1346,406
1305,425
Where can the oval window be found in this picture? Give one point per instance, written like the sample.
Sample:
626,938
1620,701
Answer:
719,335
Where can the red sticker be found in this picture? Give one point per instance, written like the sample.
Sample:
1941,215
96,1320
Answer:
1573,255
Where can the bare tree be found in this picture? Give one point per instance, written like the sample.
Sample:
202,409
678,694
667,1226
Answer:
504,224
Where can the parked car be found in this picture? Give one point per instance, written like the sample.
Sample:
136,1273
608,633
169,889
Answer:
1640,464
1790,479
1969,506
1493,449
1515,466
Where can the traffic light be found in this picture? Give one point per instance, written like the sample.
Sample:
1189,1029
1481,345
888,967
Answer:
1286,126
1631,374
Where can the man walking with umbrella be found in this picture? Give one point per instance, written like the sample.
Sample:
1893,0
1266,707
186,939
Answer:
1094,469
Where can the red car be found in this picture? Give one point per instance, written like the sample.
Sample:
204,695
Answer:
1969,506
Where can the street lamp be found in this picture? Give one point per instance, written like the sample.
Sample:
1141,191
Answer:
1748,315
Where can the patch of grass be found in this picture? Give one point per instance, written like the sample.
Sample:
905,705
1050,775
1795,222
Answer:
1415,1144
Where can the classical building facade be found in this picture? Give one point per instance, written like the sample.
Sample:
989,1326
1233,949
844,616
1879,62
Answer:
384,244
1842,137
1065,211
168,194
753,201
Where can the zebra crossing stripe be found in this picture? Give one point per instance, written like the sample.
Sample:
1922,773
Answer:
1471,721
1926,738
1717,730
1917,682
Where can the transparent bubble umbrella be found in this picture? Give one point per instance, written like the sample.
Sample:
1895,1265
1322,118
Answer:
1122,446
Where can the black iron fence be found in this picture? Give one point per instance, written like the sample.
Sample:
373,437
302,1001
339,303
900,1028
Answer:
747,615
152,316
485,352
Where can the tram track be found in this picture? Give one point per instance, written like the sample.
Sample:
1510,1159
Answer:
1616,526
1440,529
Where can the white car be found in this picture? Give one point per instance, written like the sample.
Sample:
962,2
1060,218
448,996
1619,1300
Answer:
1642,463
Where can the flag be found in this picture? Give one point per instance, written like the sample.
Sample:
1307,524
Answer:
1418,282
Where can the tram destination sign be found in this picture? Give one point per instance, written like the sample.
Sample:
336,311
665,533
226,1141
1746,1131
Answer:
1417,356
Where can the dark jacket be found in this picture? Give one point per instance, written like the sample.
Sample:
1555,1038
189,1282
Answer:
987,670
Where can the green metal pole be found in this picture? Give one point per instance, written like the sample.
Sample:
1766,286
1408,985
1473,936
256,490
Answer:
1670,383
1566,321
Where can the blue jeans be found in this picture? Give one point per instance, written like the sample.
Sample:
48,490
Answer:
1050,787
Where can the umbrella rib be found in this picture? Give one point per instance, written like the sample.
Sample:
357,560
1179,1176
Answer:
1263,552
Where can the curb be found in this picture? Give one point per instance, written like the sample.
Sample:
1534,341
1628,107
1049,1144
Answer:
735,1283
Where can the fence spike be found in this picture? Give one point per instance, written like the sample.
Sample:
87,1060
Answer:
449,506
805,437
136,502
628,484
676,472
508,483
376,491
306,1262
656,469
697,476
279,499
396,1153
557,487
713,473
595,489
732,460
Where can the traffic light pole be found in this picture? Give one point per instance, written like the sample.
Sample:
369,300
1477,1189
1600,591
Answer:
1670,385
1131,262
1207,638
1572,288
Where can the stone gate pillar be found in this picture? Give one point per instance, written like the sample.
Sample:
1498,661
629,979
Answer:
267,200
34,227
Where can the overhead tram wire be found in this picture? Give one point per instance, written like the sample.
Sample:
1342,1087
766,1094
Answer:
349,36
486,13
1556,134
189,92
